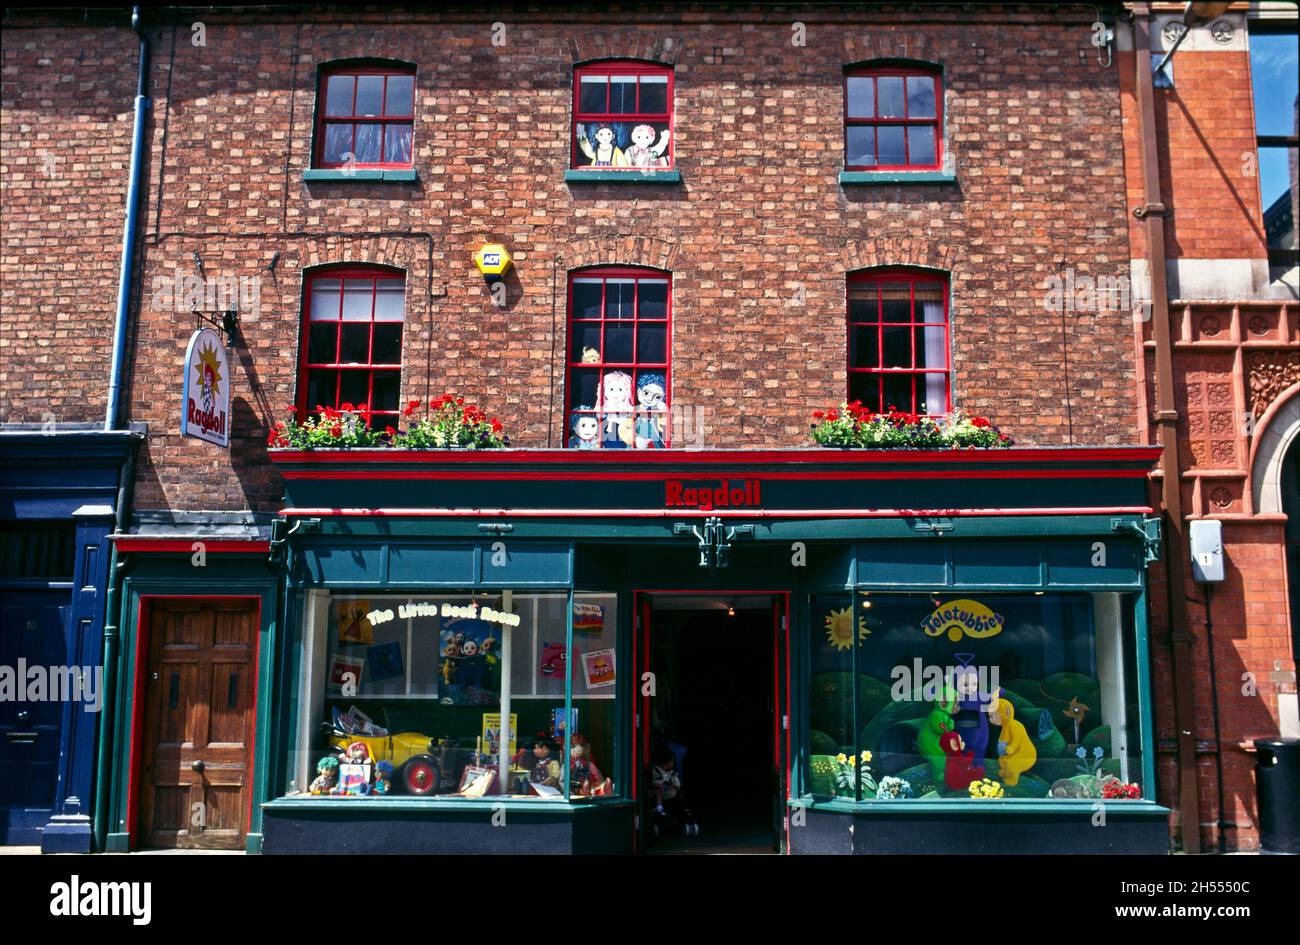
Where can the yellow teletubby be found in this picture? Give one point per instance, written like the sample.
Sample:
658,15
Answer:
1016,753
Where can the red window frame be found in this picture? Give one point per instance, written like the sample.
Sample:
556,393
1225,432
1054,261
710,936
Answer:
861,283
323,118
575,342
370,367
875,122
620,68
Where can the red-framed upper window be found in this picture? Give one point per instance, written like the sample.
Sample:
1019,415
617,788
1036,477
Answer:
619,364
898,347
365,116
623,116
893,119
352,341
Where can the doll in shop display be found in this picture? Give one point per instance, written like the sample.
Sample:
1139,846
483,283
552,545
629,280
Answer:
601,148
585,779
327,776
669,806
590,355
935,725
644,152
614,402
546,768
383,778
650,393
972,716
1016,752
961,768
585,429
358,753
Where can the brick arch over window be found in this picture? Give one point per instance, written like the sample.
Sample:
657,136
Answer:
867,47
888,252
620,251
1281,427
626,44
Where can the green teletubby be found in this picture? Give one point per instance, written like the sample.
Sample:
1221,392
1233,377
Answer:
936,723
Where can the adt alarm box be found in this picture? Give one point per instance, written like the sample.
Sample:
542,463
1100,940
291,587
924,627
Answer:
1207,550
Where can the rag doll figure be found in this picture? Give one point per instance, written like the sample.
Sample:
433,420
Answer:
972,715
585,778
327,776
600,148
644,152
383,778
961,768
1016,753
650,402
614,402
585,427
546,767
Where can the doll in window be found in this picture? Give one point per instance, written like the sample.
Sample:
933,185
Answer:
585,427
644,152
614,402
650,404
601,148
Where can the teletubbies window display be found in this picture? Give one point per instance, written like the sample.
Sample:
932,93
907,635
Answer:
406,695
972,696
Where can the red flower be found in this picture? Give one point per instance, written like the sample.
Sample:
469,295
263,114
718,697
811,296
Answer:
336,430
390,431
496,425
347,408
980,422
818,414
271,438
832,415
410,407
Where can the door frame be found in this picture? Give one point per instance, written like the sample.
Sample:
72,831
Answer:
642,627
143,639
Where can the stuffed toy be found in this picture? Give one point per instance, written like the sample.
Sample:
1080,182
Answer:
972,716
585,778
383,778
650,393
546,767
961,769
1016,753
935,725
585,428
590,356
358,753
327,776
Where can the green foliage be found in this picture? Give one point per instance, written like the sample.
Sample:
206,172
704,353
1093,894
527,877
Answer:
854,426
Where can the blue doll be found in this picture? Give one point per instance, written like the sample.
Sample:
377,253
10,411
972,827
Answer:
650,393
585,427
972,720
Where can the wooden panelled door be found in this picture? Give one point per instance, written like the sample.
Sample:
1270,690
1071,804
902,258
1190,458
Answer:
198,725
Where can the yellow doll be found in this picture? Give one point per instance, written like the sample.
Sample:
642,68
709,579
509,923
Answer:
1016,753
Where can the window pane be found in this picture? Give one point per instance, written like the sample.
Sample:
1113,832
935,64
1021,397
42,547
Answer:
618,343
896,302
622,94
920,96
338,143
322,389
325,299
866,388
654,94
864,347
386,390
864,303
400,95
583,383
354,387
358,296
390,305
586,298
889,96
584,342
338,95
861,146
653,298
397,144
322,342
1275,195
652,343
370,95
862,94
370,139
898,347
897,391
928,298
619,298
644,143
591,94
831,689
890,145
387,346
920,144
1275,75
354,343
931,349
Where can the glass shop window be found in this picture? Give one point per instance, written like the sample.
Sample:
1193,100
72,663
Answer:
622,116
365,117
352,342
898,342
619,360
940,697
457,695
893,119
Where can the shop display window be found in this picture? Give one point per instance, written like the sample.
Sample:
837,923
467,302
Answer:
622,116
972,697
457,695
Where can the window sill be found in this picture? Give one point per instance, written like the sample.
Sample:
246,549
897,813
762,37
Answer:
583,175
897,177
1002,806
360,175
407,802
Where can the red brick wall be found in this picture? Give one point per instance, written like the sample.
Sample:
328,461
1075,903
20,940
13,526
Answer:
1032,126
66,114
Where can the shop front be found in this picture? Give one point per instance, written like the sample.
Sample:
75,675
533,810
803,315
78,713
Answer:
532,651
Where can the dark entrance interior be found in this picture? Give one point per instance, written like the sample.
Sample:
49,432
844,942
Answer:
713,660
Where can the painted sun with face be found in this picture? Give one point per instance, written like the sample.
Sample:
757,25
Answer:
839,628
209,369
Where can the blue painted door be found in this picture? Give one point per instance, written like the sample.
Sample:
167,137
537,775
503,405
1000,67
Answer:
31,629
